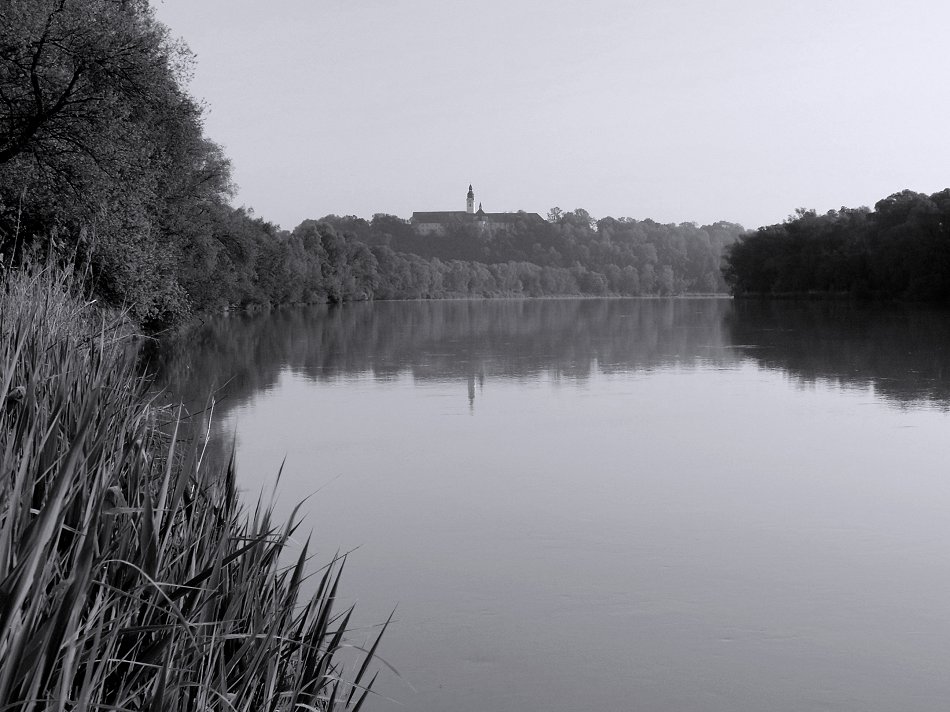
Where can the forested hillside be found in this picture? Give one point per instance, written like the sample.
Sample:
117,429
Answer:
571,253
104,164
899,250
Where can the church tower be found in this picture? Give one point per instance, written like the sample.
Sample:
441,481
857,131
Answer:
470,200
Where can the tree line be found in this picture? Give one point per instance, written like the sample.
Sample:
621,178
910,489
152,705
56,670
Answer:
344,258
104,163
570,253
898,250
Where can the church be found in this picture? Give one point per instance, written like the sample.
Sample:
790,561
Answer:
436,223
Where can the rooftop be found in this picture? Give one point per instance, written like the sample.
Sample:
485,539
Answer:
461,216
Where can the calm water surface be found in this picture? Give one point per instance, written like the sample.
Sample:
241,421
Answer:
657,505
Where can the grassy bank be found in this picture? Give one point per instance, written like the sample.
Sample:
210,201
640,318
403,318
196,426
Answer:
131,578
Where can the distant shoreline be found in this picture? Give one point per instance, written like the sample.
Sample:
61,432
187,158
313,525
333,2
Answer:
255,308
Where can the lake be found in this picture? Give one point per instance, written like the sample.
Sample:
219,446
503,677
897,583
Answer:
666,505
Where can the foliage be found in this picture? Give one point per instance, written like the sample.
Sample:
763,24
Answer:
571,255
899,250
130,577
101,149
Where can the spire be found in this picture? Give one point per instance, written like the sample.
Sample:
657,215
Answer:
470,200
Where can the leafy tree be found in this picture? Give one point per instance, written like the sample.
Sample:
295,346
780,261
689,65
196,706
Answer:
101,149
899,250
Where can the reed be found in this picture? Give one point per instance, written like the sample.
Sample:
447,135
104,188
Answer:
131,577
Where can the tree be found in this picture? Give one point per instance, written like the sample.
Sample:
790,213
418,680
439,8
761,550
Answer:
98,138
579,218
87,87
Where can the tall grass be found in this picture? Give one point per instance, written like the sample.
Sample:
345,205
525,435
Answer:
131,578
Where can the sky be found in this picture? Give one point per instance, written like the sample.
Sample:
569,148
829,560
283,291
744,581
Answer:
675,110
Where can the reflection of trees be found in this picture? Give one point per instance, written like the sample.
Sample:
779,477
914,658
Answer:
445,340
902,351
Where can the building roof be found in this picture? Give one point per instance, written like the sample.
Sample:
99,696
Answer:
450,216
509,217
444,216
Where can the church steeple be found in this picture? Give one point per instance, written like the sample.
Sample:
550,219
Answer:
470,200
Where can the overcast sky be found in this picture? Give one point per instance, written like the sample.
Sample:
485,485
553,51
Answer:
676,110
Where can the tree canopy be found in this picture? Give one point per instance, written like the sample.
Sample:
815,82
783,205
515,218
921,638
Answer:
898,250
572,252
101,148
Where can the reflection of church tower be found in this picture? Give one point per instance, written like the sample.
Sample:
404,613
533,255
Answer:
470,200
479,378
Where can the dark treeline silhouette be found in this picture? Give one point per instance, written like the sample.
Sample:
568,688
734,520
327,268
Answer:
899,250
104,164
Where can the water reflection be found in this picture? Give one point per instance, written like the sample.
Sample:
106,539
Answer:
464,341
900,352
